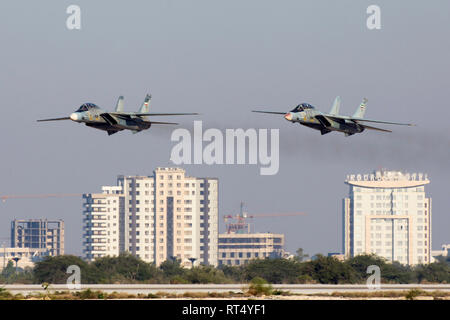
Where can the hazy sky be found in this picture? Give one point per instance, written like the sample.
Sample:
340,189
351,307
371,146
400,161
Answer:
223,59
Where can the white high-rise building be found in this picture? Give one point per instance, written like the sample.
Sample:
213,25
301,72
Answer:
101,215
159,217
388,213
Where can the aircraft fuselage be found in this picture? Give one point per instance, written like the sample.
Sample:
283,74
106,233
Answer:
315,120
102,120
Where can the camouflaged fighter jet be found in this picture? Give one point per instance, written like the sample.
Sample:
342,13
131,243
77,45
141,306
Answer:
113,122
307,115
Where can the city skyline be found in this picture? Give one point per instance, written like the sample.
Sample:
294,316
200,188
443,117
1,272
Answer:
223,60
376,177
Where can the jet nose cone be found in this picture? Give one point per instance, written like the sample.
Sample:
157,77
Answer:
74,116
288,116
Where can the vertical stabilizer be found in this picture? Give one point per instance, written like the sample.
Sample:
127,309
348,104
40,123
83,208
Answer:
359,113
146,104
119,105
336,106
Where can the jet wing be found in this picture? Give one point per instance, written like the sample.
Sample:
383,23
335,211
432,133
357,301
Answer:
164,114
385,122
373,128
112,121
54,119
270,112
139,114
357,120
159,122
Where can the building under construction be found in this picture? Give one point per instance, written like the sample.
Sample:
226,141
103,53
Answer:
240,248
38,234
239,244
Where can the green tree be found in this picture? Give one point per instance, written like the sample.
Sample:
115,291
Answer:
436,272
360,263
273,270
233,273
395,272
329,270
205,274
53,269
9,270
125,268
172,268
259,286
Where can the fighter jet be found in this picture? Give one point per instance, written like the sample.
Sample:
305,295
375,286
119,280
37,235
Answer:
305,114
112,122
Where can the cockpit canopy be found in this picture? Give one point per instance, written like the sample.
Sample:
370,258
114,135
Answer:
302,107
86,107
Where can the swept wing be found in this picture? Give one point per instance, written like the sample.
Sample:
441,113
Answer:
112,121
270,112
357,120
138,114
373,128
54,119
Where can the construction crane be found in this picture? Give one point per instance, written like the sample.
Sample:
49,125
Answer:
239,224
39,196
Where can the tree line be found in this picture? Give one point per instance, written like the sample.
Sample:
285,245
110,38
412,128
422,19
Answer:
127,268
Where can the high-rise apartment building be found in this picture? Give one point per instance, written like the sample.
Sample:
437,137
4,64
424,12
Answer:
38,234
159,217
389,214
101,220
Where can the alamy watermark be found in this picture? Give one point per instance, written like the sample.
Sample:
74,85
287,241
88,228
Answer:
374,20
74,280
232,147
73,21
374,281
